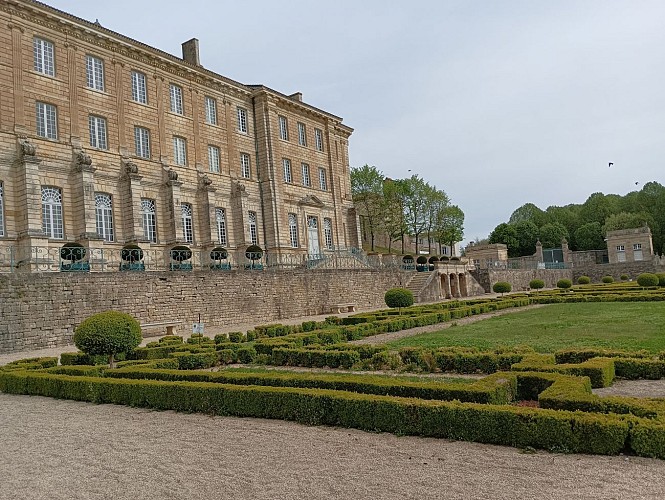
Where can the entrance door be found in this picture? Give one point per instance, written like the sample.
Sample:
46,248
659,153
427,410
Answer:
313,237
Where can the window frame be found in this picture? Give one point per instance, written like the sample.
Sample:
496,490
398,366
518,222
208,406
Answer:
283,127
323,179
288,173
302,134
149,219
327,233
293,230
214,159
210,105
318,139
142,144
187,218
139,87
253,227
44,119
220,219
243,125
94,72
245,166
104,216
43,59
179,153
306,178
54,227
177,104
98,129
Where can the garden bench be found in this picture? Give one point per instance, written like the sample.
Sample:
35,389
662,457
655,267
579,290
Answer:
340,308
170,327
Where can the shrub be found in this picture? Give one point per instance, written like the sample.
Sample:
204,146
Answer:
624,277
536,284
246,355
647,279
235,337
564,283
108,333
502,287
661,279
399,297
583,280
195,361
421,259
607,279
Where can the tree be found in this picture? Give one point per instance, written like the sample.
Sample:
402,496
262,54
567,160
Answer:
399,297
449,227
367,192
506,234
590,237
527,235
528,213
552,234
108,334
624,220
393,213
502,287
436,201
415,206
597,208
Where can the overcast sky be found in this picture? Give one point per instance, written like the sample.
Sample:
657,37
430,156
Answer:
498,103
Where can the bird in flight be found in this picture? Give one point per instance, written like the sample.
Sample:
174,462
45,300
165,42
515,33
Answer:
610,164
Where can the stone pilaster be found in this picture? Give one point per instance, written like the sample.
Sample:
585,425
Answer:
72,54
206,212
17,70
83,196
175,232
239,208
131,202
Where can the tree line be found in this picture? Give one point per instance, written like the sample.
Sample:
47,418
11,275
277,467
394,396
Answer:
585,225
400,207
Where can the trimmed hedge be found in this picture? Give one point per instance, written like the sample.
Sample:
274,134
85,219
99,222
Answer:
599,370
314,358
495,424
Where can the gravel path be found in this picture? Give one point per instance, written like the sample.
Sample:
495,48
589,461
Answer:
59,449
634,388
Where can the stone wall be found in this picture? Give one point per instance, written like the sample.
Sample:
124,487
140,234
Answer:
520,278
42,310
632,269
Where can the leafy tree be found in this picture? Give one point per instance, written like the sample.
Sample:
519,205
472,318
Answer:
450,227
108,333
568,216
416,207
590,237
527,235
502,287
552,234
393,214
437,202
597,208
528,213
367,192
399,297
624,220
506,234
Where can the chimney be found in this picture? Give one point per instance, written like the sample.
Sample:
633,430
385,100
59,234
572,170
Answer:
190,52
297,96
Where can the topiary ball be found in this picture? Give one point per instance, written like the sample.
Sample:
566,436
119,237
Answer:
647,279
607,279
108,333
536,284
583,280
661,279
398,297
564,284
624,277
502,287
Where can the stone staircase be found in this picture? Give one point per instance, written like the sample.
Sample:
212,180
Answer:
417,283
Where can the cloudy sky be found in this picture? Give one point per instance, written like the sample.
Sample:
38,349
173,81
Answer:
496,103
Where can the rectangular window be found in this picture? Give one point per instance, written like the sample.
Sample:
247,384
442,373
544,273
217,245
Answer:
306,181
44,57
283,128
94,68
211,110
621,248
213,158
139,92
47,123
323,181
179,151
327,233
97,132
242,120
318,136
287,170
52,213
253,234
220,216
637,246
148,220
104,216
302,134
187,226
142,142
245,166
293,230
2,212
176,99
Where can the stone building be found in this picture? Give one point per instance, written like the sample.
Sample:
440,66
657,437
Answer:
487,256
630,245
105,141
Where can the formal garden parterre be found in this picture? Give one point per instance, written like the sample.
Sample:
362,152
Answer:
197,375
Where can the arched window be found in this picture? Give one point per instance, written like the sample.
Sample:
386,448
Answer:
52,213
148,220
253,235
220,216
293,230
104,216
187,226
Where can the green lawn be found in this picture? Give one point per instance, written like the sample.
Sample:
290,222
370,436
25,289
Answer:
618,325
